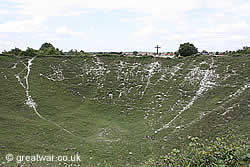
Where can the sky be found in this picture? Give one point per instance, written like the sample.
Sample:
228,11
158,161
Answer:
125,25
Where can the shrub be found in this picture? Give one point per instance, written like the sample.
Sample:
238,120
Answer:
187,49
224,151
30,52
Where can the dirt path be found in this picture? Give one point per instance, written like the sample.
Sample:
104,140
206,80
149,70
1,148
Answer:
29,101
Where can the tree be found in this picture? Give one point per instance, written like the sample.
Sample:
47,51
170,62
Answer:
30,52
46,46
204,52
135,52
187,49
15,51
245,50
73,52
49,49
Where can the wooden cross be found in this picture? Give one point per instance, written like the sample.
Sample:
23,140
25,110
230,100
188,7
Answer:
157,47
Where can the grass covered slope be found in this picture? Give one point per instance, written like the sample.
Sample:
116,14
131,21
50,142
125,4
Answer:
118,110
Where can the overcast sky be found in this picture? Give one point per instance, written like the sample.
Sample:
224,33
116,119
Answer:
125,25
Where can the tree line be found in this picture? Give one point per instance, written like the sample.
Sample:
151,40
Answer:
47,49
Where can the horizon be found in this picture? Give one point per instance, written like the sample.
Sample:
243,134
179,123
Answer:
125,26
129,51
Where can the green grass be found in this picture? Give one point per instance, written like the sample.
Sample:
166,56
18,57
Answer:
118,131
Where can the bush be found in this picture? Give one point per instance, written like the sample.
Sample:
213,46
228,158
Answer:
224,151
30,52
245,50
46,46
15,51
49,49
187,49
